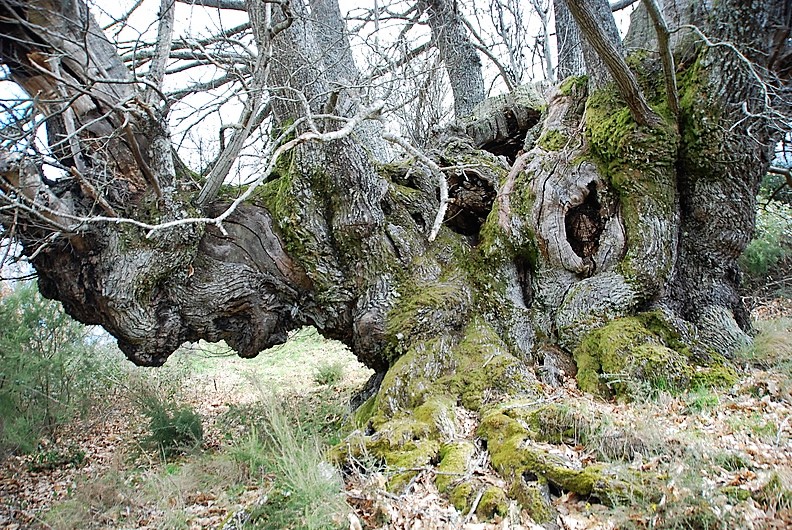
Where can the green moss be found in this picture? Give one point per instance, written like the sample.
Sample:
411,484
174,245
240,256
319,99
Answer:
573,84
420,306
556,423
411,378
404,444
399,434
454,461
407,462
718,375
438,412
472,372
483,366
462,496
608,125
639,163
365,412
394,171
604,351
700,121
493,502
553,140
419,455
512,454
632,355
532,499
496,427
656,323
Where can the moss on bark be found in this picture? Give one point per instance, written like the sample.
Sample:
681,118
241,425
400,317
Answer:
639,163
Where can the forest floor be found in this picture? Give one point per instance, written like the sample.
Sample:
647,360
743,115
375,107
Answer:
725,455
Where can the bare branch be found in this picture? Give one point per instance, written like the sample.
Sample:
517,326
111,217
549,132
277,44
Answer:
621,4
436,171
401,61
156,73
254,103
212,84
483,48
10,168
91,192
664,42
238,5
784,171
626,82
148,174
284,24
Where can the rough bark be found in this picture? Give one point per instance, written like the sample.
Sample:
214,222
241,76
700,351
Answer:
595,18
460,58
572,233
568,42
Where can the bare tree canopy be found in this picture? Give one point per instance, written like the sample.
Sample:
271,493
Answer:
587,225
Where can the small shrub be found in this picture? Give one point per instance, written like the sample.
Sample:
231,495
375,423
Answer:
329,373
182,430
772,243
173,428
52,368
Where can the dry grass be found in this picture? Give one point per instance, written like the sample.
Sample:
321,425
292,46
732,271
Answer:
721,458
267,424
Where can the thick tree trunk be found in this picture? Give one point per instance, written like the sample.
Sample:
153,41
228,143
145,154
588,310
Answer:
576,240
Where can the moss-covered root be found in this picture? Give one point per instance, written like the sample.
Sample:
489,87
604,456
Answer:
407,443
455,461
454,478
476,496
531,469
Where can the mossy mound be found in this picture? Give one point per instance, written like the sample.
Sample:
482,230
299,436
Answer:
625,358
473,370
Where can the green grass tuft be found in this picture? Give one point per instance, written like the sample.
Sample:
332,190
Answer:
329,373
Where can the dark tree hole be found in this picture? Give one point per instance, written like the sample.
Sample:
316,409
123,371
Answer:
524,269
529,476
584,225
509,147
470,202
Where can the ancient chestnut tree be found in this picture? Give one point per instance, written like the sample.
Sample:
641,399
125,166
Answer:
588,228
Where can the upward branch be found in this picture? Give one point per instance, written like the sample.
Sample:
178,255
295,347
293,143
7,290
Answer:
592,30
156,73
664,41
255,105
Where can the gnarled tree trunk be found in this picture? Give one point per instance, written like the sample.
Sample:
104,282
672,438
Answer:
573,235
